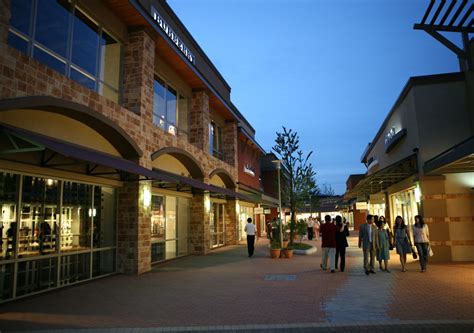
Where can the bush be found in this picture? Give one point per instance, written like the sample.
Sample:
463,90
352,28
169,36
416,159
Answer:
275,245
301,246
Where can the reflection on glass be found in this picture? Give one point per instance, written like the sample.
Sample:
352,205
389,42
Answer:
6,281
36,275
183,225
77,213
103,262
217,224
17,42
8,205
39,216
157,217
104,219
74,268
85,42
171,106
21,15
49,60
82,79
110,60
52,20
159,103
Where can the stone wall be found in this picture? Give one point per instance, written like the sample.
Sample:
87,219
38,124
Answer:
22,76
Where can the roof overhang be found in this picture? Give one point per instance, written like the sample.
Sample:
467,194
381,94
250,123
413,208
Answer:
385,178
457,159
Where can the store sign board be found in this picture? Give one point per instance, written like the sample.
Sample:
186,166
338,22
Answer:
258,210
267,211
172,35
392,138
250,170
361,205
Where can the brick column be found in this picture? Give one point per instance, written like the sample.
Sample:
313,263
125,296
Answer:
230,143
4,20
133,229
138,69
200,238
230,218
199,121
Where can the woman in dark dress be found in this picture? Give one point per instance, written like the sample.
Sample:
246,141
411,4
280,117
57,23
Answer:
341,242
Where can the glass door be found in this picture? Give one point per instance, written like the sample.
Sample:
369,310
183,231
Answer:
217,226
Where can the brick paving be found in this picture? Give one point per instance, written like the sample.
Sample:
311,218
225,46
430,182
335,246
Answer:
226,291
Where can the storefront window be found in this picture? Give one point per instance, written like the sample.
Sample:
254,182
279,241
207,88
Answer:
217,225
39,216
104,217
404,205
169,227
77,214
8,204
69,41
55,219
245,213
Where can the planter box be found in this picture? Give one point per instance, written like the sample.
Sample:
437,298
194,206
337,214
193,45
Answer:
305,252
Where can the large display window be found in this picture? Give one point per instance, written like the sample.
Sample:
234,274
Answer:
404,204
169,227
245,213
53,233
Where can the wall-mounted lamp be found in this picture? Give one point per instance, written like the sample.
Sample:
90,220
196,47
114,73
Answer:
146,196
417,194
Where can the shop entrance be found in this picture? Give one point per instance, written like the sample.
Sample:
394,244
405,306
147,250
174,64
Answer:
217,225
404,204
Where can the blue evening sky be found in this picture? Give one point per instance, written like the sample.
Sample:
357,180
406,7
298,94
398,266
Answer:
329,69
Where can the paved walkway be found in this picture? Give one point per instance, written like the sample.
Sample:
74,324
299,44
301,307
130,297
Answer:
226,291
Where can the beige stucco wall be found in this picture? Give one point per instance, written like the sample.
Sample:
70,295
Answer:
171,164
60,127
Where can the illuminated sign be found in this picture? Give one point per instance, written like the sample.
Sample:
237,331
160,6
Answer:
248,169
172,35
392,138
361,205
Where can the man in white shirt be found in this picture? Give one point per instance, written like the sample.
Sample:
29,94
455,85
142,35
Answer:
250,230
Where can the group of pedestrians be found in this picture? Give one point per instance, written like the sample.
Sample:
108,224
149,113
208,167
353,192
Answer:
334,243
376,239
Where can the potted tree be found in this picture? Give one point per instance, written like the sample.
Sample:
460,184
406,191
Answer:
275,250
288,252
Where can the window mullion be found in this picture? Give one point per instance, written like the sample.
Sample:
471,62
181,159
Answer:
69,40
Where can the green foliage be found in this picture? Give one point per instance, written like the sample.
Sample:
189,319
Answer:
301,227
302,177
301,246
275,245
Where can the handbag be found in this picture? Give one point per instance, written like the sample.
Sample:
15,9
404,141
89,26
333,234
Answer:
430,251
413,252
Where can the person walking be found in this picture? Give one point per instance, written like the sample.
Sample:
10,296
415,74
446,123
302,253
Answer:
421,235
316,226
250,230
367,243
382,244
328,244
341,242
310,228
402,241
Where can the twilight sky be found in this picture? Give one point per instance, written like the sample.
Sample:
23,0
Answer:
329,69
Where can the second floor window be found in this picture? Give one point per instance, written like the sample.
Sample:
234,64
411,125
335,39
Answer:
216,146
63,37
170,109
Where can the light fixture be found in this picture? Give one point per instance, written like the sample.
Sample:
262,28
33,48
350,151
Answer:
207,202
417,194
49,182
146,196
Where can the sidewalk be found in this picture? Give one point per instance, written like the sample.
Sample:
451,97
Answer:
214,292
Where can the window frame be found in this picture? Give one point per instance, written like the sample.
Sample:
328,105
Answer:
67,60
178,129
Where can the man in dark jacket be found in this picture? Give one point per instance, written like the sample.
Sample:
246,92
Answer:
328,243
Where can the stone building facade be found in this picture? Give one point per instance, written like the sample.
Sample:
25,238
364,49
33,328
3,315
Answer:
144,155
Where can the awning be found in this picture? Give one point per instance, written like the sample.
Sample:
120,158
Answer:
385,178
173,181
459,158
20,145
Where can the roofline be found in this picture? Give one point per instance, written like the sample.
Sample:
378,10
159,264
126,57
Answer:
412,81
193,41
244,132
228,104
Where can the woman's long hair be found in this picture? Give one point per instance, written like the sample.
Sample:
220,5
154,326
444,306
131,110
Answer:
400,225
420,221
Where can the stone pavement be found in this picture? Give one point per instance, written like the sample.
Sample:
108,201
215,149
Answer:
227,292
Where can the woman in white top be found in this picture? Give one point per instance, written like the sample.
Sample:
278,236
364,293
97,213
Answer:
421,235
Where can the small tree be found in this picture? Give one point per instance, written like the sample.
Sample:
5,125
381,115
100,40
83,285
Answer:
301,173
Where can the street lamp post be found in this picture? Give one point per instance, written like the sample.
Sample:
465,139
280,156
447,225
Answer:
278,167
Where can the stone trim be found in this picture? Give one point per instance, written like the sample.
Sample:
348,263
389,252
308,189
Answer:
451,219
447,196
